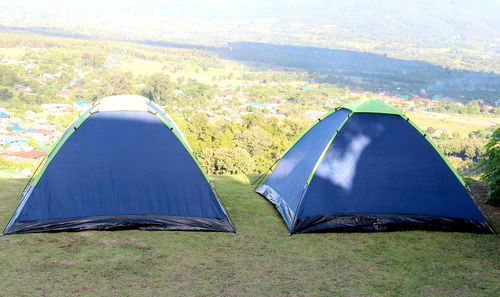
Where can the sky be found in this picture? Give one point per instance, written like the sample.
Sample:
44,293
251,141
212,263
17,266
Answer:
422,19
250,8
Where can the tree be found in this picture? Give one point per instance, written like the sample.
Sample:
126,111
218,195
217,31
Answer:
226,139
51,118
473,108
497,110
444,135
254,140
243,163
158,88
94,60
253,119
115,83
206,159
430,130
232,161
197,125
5,94
9,76
196,93
32,143
491,173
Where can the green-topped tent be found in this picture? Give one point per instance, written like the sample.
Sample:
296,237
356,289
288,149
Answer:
367,167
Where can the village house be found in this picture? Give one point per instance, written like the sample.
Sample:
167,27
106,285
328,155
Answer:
48,76
42,137
81,105
30,155
56,108
16,144
64,93
23,88
12,61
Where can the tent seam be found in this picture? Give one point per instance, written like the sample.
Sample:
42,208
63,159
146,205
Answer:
328,146
435,148
212,187
53,152
306,186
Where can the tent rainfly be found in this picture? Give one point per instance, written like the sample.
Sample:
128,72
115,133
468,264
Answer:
124,164
367,167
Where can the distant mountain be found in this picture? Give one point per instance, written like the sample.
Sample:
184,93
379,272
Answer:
440,20
399,28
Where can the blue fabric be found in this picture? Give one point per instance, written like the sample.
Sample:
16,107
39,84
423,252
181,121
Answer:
380,164
121,163
290,175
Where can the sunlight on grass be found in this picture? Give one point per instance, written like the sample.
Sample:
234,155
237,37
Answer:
462,124
262,261
240,178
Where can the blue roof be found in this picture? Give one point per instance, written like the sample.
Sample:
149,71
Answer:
14,140
82,103
16,127
259,105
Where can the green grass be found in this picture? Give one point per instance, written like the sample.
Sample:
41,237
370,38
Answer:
463,124
262,261
12,53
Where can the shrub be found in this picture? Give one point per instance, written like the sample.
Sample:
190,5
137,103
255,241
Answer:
225,161
491,173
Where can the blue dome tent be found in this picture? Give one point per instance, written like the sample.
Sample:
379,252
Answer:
367,167
124,164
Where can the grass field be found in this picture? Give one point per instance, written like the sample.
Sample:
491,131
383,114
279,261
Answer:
463,124
11,53
188,70
262,261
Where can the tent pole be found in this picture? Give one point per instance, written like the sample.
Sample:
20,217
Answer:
34,173
260,179
224,207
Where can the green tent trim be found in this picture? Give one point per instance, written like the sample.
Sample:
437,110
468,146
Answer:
79,121
371,106
367,106
326,149
55,149
185,146
437,149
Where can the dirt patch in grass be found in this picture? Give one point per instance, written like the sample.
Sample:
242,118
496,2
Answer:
479,194
63,262
139,244
109,243
86,234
